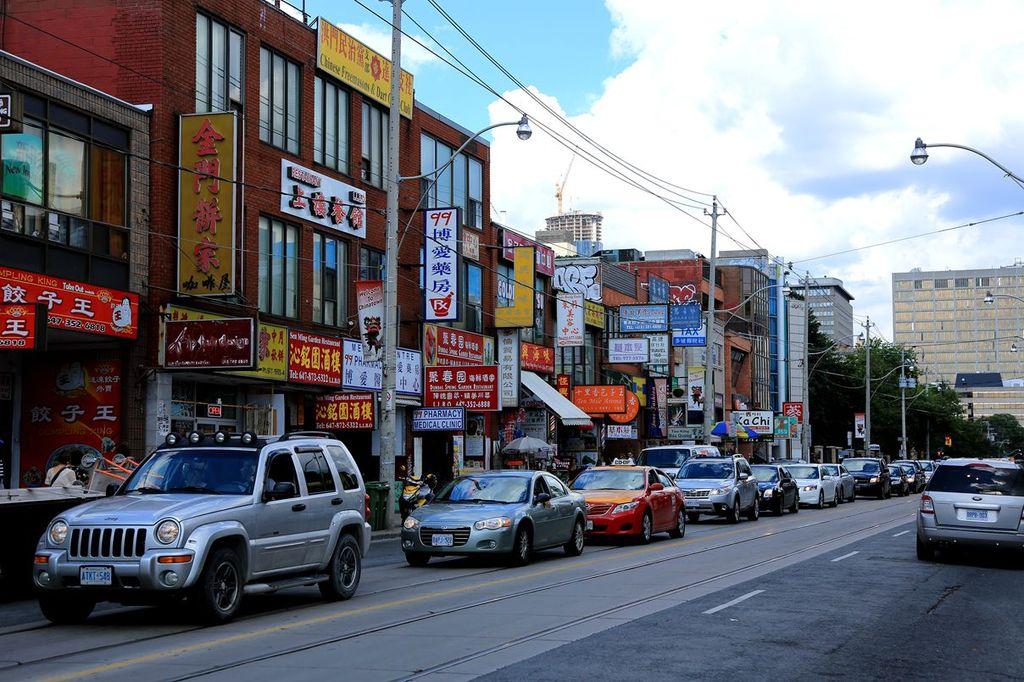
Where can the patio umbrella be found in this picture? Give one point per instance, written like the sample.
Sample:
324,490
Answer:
721,430
527,445
745,432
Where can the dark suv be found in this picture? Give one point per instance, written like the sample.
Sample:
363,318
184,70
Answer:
871,476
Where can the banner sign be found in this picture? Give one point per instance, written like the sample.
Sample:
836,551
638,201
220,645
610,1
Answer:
690,337
657,288
441,264
620,431
314,359
685,316
474,387
370,302
628,350
643,318
355,64
226,343
659,349
632,409
508,363
536,358
70,407
761,422
444,346
858,425
695,391
345,412
580,276
593,314
794,410
439,419
271,344
786,426
74,305
694,433
471,245
409,376
563,382
206,204
357,372
22,327
569,320
544,256
520,313
600,399
322,200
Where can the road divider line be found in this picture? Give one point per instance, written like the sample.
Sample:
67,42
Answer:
902,532
845,556
733,602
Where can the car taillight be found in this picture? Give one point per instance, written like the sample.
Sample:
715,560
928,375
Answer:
927,506
367,510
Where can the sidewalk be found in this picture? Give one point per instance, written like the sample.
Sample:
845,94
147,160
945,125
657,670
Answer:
382,535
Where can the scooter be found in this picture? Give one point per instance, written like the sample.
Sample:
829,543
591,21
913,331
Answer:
416,492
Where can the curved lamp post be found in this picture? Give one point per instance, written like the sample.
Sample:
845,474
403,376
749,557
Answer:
920,155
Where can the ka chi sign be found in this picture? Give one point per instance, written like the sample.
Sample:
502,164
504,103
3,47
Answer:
441,263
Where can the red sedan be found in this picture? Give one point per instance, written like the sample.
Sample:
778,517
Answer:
631,501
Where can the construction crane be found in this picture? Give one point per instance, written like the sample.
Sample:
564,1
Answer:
560,187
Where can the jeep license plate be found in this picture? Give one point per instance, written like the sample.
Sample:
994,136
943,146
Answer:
97,576
442,539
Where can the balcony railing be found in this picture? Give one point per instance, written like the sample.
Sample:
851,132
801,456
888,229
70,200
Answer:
296,9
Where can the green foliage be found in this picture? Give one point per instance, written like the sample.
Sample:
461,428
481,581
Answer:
1007,431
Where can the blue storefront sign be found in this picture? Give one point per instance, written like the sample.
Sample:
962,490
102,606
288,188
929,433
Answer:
439,419
657,289
643,318
690,337
684,316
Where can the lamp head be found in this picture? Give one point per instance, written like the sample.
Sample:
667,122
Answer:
1013,348
523,131
989,298
920,153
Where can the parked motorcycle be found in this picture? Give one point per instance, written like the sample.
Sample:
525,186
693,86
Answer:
416,492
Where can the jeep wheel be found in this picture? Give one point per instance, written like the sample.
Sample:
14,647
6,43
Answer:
754,513
62,609
733,515
344,570
220,586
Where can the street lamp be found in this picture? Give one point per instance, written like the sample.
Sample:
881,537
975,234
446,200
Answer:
991,298
523,130
1013,347
920,155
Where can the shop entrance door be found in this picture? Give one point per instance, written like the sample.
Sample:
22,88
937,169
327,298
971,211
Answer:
6,428
438,457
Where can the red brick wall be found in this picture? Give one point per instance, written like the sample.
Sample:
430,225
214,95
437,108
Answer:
679,273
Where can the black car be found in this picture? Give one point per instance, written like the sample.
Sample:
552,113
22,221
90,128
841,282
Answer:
776,488
918,473
900,481
871,475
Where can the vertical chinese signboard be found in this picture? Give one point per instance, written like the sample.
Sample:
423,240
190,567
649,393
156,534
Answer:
563,382
206,204
520,313
441,264
508,366
569,316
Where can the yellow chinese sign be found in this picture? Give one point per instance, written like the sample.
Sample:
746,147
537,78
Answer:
520,313
355,64
206,204
271,344
593,314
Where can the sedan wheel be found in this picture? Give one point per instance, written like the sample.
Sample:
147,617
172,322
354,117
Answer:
733,515
835,499
853,496
755,511
821,500
521,549
680,528
575,545
646,529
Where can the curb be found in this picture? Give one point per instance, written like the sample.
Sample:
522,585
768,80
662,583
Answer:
381,535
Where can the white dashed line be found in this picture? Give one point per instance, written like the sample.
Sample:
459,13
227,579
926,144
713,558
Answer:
845,556
902,532
735,601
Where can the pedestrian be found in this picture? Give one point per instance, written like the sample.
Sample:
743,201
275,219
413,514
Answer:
61,474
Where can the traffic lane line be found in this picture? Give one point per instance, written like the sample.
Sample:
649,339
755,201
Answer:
733,602
902,532
845,556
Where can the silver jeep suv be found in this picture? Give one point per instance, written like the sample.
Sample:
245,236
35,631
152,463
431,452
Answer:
211,518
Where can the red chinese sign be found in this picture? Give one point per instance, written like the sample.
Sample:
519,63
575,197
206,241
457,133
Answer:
563,382
209,344
536,358
474,387
22,327
206,204
545,256
314,359
600,399
74,305
794,410
69,407
632,408
443,346
345,411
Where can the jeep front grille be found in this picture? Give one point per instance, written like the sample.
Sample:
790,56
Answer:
460,536
107,543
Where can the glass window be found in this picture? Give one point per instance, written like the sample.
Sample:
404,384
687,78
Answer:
941,284
978,479
475,208
278,267
219,59
66,182
375,145
371,264
328,280
315,471
330,125
280,85
556,487
281,469
506,288
23,165
346,467
473,298
960,283
107,185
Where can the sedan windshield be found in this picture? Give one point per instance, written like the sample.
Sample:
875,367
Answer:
861,466
765,474
486,489
715,470
665,458
978,479
831,470
609,479
895,471
804,472
928,465
196,470
909,468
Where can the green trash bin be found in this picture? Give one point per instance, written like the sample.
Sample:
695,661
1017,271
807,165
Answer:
378,492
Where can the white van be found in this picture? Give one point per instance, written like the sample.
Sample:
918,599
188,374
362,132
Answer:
669,458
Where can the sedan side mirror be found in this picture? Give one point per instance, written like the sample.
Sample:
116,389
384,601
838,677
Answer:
541,498
280,491
744,476
655,487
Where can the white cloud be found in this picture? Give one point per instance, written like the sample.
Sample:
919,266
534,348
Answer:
759,101
413,55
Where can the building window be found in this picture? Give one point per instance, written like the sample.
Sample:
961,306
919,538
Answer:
220,52
460,184
371,264
328,280
918,284
65,185
278,270
960,283
330,125
981,281
941,284
475,206
506,286
375,145
472,298
539,295
280,88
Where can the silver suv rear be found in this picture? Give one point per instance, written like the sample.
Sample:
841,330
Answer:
972,502
211,518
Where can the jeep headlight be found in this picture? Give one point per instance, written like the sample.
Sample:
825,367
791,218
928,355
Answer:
874,479
496,523
768,492
625,507
721,491
58,532
167,531
410,523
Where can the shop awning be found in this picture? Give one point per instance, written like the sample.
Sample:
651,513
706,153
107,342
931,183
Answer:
556,402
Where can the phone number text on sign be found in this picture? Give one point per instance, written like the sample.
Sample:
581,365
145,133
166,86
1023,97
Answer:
473,387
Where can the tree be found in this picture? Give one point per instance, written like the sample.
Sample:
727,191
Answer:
1007,431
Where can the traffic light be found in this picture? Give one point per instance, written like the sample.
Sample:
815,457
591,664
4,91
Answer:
949,442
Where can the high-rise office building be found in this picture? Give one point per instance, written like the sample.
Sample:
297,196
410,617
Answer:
830,303
944,315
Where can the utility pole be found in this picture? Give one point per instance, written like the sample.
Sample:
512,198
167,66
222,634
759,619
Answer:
387,397
780,347
709,365
805,441
903,402
867,385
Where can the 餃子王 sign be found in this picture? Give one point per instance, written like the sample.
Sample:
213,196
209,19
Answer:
474,387
226,343
345,411
322,200
22,327
314,359
355,64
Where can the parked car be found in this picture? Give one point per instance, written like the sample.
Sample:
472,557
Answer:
777,488
928,466
916,471
669,458
211,518
633,502
720,486
899,480
871,475
817,486
972,503
509,513
847,484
